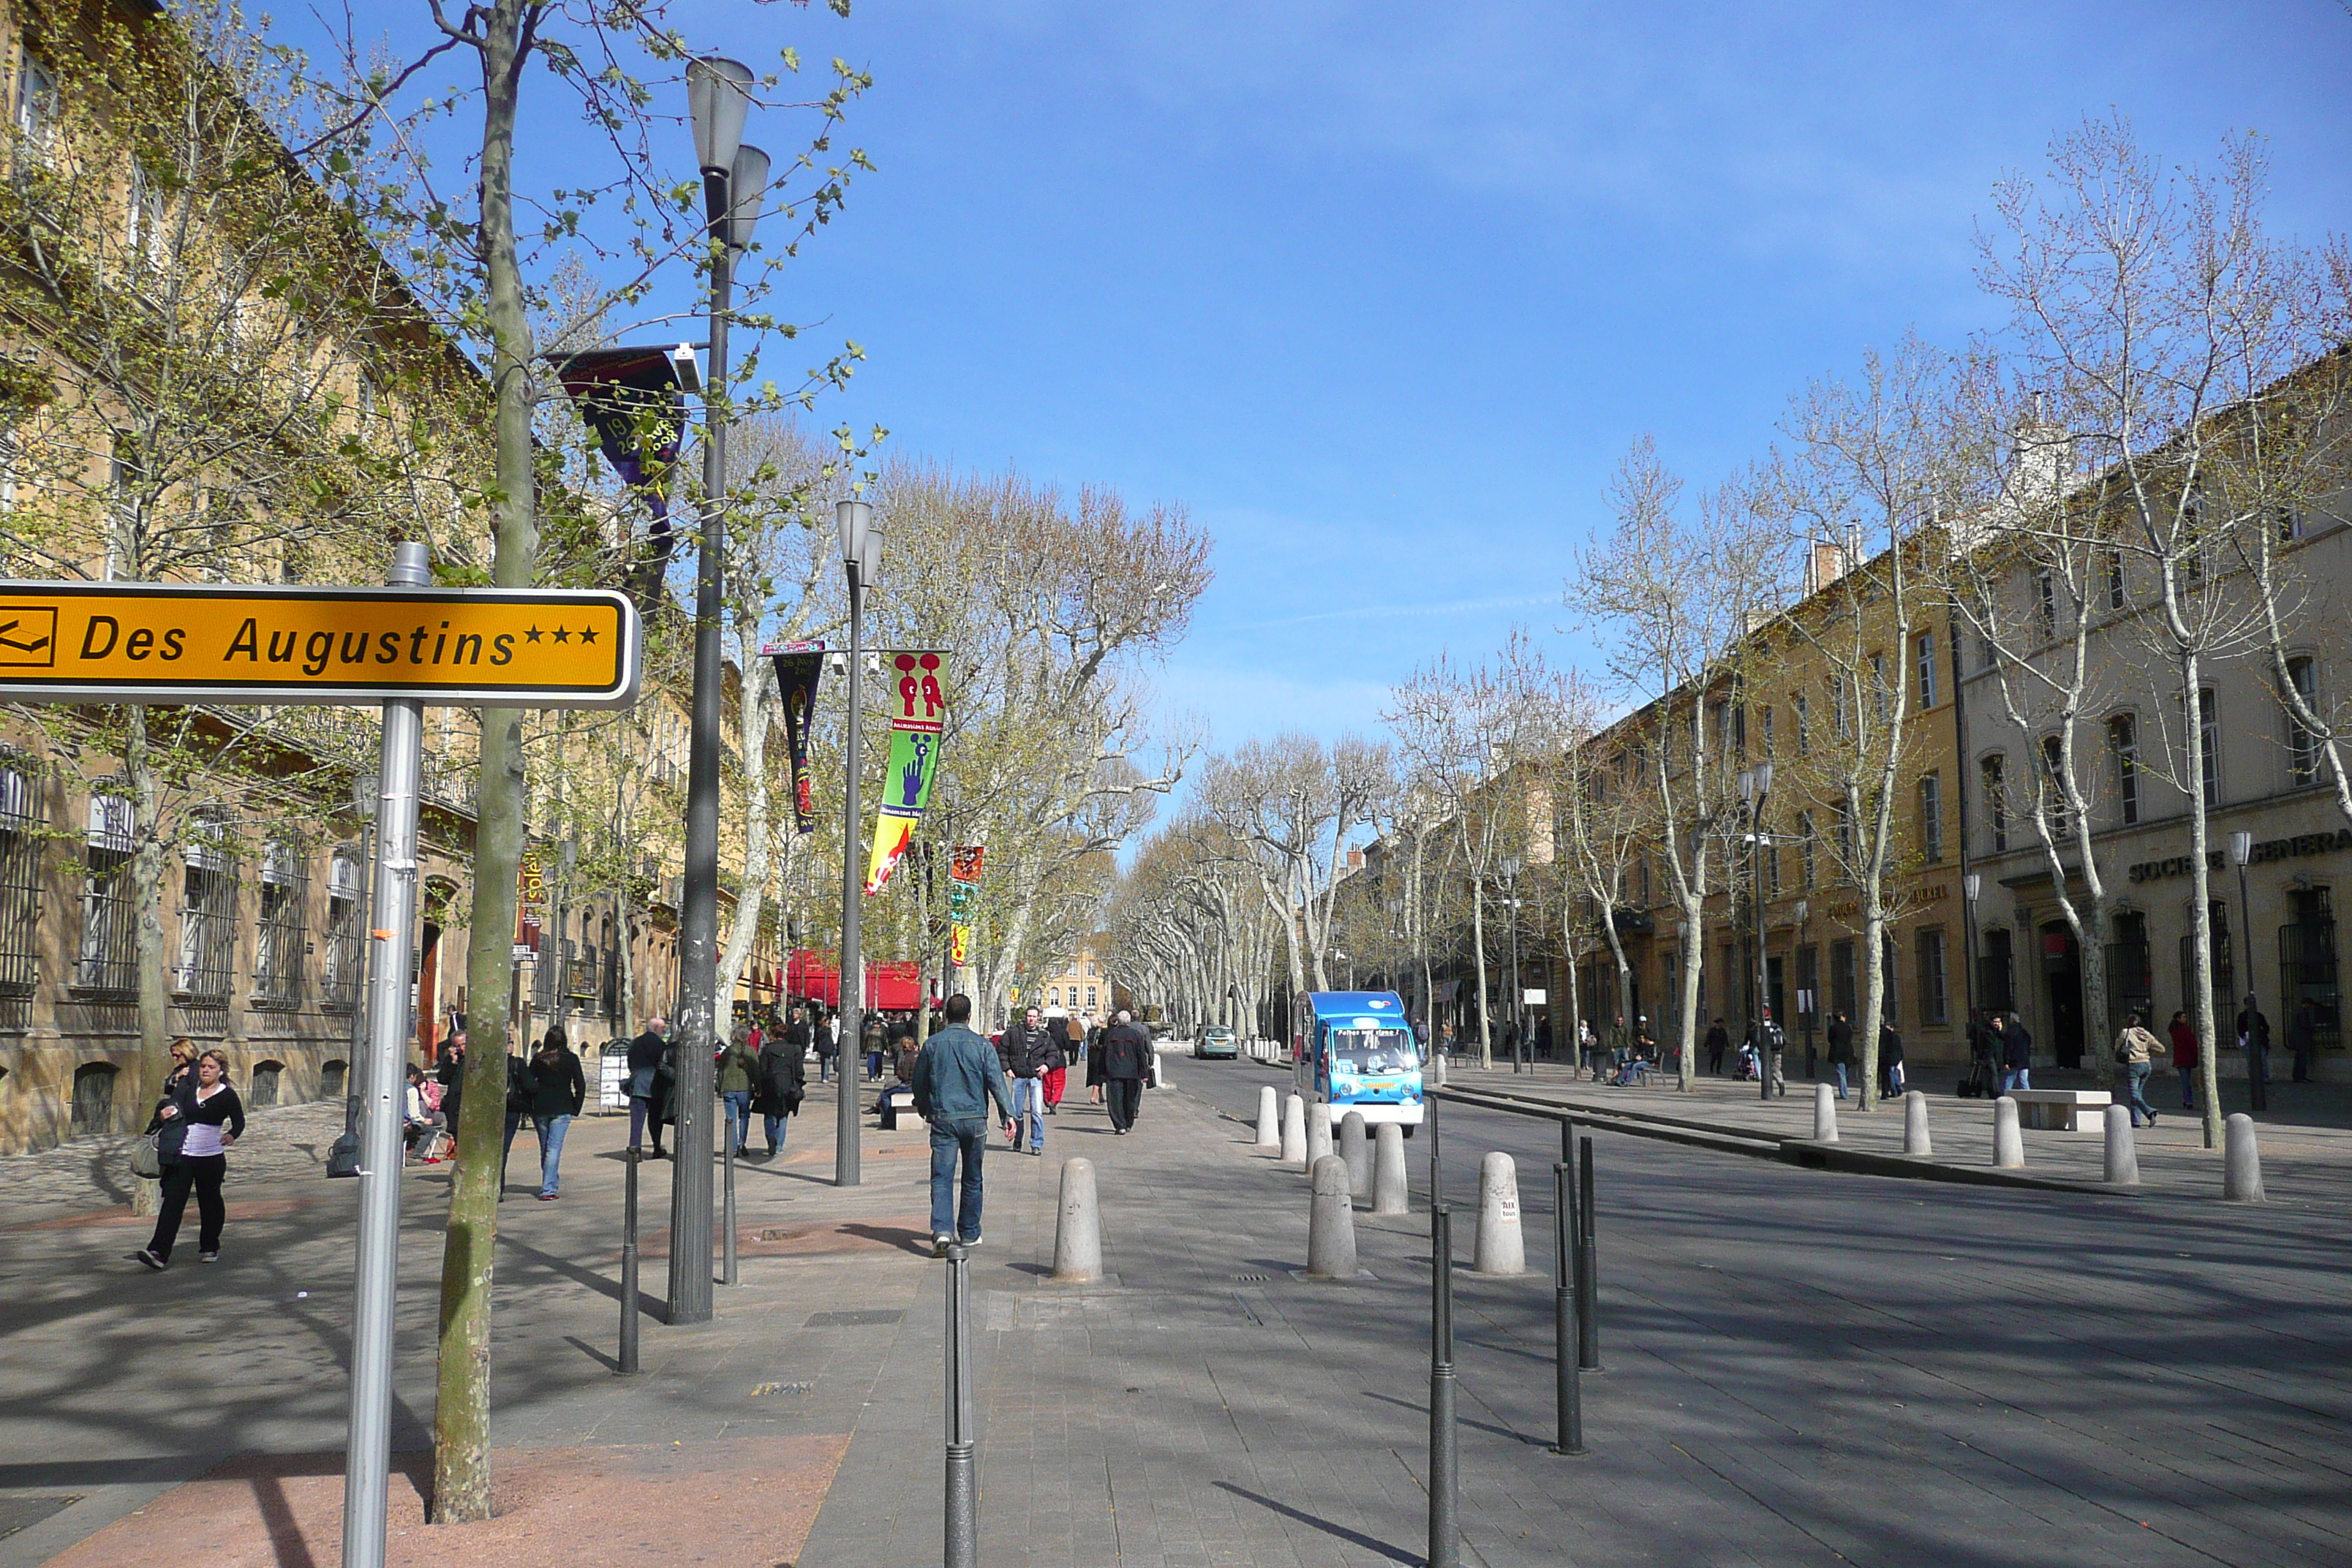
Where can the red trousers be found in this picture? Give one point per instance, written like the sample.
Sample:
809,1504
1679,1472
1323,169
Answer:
1056,1078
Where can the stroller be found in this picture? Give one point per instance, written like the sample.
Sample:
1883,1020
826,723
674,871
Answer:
1746,1069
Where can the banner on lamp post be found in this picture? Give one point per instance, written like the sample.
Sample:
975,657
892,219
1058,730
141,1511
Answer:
915,724
799,665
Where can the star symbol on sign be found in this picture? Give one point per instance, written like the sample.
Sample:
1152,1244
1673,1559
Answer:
531,635
587,633
562,635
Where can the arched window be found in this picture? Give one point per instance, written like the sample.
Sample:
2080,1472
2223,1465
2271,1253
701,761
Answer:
332,1078
93,1097
264,1089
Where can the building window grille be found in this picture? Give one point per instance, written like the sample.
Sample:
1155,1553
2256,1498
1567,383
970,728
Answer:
22,818
277,956
93,1097
1993,982
207,912
2131,974
346,961
1935,997
1924,647
2208,740
2222,976
1931,818
1996,799
107,961
2122,743
2307,968
2302,741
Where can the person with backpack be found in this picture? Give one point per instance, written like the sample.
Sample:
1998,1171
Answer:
737,1074
2135,1053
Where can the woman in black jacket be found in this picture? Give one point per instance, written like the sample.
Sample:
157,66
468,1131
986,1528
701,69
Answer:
558,1090
780,1083
195,1127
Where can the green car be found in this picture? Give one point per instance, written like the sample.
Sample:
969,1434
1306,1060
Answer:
1216,1042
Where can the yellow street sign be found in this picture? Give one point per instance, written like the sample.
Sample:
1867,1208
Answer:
170,643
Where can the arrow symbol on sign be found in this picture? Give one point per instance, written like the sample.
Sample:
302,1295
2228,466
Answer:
35,646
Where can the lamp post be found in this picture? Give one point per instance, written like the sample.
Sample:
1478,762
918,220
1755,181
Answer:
1971,886
734,178
1509,868
1808,1002
1755,787
861,559
2258,1088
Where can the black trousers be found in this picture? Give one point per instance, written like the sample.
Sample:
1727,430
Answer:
203,1173
1125,1098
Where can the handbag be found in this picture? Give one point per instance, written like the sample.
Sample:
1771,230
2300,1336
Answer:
147,1156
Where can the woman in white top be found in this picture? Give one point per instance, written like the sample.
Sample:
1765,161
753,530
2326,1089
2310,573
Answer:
196,1126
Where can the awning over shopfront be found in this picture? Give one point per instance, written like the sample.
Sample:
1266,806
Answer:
892,987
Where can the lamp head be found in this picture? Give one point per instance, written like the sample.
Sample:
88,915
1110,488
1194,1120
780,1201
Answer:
1971,885
1763,778
719,95
747,188
367,789
2242,849
853,519
1748,785
869,557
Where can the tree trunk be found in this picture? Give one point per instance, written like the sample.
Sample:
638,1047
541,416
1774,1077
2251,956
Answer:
147,902
461,1418
759,864
1478,951
1687,1026
1874,1004
2200,915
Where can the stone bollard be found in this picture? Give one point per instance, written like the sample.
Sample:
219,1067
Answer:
2123,1154
2242,1162
1500,1249
1915,1125
1319,1133
1437,1065
1293,1134
1389,1189
1357,1150
2007,1143
1269,1120
1077,1238
1824,1114
1331,1223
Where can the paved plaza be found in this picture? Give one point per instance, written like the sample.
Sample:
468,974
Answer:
1801,1367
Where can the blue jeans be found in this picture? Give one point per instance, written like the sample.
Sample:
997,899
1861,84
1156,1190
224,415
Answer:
949,1138
2017,1078
2187,1089
1839,1068
2135,1087
775,1131
1029,1112
823,1068
550,1130
737,1116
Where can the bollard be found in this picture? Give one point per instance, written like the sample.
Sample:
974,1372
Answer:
1269,1120
1436,1166
2123,1152
629,1265
1331,1223
1077,1235
1294,1134
1439,1063
1915,1125
1442,1532
1319,1133
1499,1249
1390,1195
2242,1162
962,1478
1824,1114
1355,1149
727,1275
2007,1143
1568,1404
1588,1313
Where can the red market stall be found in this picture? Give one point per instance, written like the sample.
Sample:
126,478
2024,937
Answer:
891,987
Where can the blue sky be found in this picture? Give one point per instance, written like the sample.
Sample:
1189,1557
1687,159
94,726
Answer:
1382,291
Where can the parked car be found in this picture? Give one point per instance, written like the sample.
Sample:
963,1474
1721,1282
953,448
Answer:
1216,1042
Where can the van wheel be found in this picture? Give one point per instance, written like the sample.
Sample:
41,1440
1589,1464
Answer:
1409,1130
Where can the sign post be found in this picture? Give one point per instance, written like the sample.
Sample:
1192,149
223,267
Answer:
404,645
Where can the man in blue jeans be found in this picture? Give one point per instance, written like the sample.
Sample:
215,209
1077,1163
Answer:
955,1077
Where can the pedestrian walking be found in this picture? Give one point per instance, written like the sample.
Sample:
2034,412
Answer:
1587,1044
783,1079
558,1090
518,1097
194,1128
1028,1051
2016,1055
829,1043
1126,1062
737,1074
1719,1040
451,1076
956,1076
1067,1044
2184,1058
1841,1049
2303,1038
1770,1043
1095,1079
2254,1040
869,1043
1543,1038
1890,1060
646,1054
2135,1053
183,1070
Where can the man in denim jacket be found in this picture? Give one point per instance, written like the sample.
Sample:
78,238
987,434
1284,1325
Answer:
956,1076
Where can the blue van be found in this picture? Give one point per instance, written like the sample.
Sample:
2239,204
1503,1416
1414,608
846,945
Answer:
1354,1050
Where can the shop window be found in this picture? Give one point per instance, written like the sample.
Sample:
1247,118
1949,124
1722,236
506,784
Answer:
1809,987
93,1097
2223,971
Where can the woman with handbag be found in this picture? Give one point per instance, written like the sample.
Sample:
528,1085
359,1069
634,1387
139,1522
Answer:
195,1130
780,1083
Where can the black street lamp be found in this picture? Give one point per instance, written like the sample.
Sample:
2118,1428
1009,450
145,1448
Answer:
2258,1066
734,180
1510,870
1755,788
861,562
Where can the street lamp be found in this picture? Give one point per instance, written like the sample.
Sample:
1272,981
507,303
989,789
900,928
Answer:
1971,886
734,179
861,562
2258,1087
1755,787
1808,1002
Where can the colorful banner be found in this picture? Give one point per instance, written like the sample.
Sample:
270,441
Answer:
798,666
958,944
965,861
914,763
634,399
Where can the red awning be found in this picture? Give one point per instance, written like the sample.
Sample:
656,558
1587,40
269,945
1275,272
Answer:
892,987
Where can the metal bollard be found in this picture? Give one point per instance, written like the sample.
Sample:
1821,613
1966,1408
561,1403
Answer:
962,1478
629,1265
726,1271
1443,1533
1566,1397
1437,1172
1588,1348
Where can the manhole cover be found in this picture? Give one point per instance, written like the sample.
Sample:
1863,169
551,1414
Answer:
851,1320
1251,1279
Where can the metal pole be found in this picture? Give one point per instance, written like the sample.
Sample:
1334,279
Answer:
2258,1061
962,1550
698,920
1567,1401
852,991
367,1456
1444,1485
1519,992
1588,1349
629,1263
1764,1051
355,1074
1436,1170
728,1278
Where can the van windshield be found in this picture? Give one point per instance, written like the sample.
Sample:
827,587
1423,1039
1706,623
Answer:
1366,1052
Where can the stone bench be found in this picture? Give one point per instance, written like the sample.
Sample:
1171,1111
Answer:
2060,1110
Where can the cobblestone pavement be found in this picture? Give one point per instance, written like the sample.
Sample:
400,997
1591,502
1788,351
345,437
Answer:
84,1175
1801,1366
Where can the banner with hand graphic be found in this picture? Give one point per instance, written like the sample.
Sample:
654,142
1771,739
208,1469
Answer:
916,720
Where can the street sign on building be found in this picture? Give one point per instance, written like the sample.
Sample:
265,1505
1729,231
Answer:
179,642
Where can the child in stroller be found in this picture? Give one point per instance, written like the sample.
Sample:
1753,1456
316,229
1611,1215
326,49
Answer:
1746,1068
